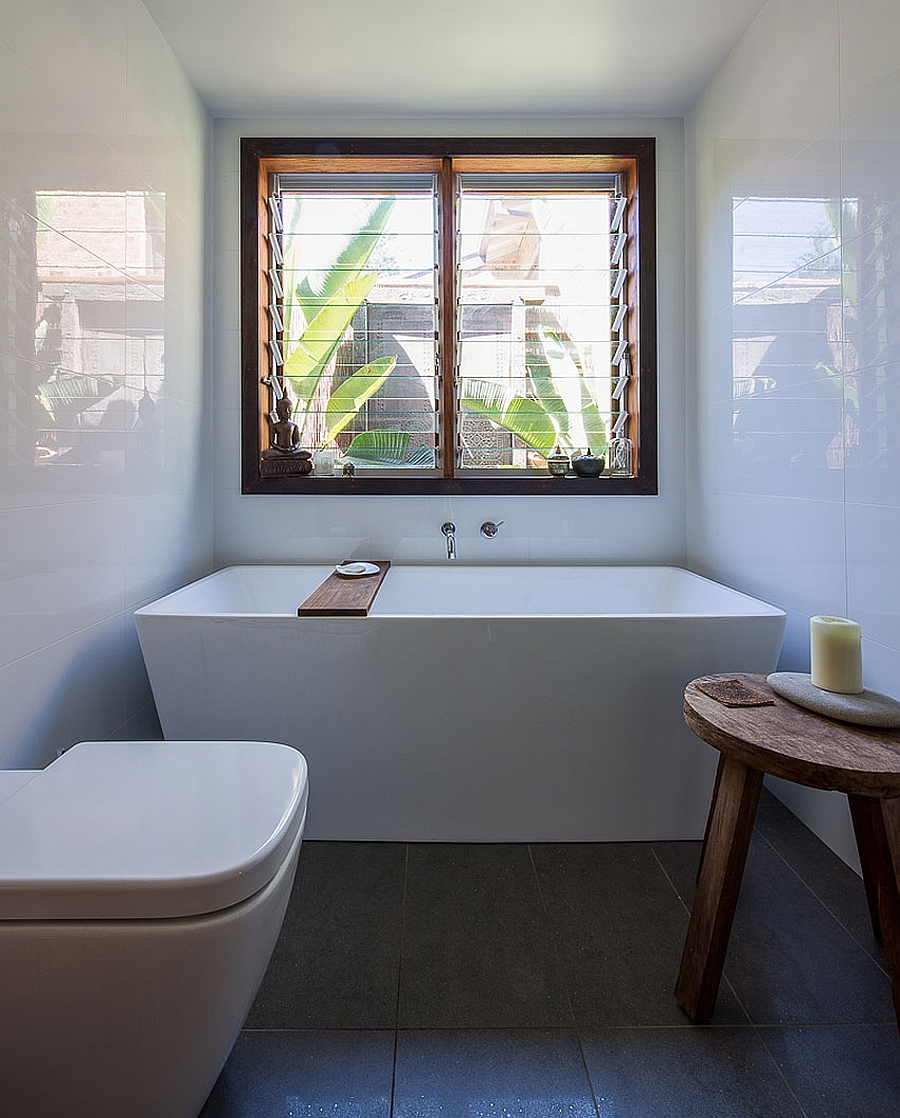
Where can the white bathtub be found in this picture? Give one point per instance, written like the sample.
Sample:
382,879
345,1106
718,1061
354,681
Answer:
495,704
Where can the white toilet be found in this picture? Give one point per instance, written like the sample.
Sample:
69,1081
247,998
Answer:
142,888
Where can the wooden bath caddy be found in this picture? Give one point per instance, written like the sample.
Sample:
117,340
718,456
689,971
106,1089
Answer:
340,596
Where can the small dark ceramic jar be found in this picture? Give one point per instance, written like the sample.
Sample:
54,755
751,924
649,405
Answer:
558,463
587,465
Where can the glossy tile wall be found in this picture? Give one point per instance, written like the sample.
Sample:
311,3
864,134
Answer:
794,463
407,529
104,457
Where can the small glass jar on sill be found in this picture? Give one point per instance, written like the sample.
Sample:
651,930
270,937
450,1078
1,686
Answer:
621,457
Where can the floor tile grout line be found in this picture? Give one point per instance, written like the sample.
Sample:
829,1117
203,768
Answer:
867,950
569,1001
687,1027
777,1066
402,934
399,974
551,938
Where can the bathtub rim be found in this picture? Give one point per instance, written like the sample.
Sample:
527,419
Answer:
755,607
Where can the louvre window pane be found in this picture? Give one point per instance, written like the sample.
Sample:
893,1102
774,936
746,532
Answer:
359,317
535,321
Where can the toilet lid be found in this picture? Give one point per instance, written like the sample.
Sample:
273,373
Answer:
153,829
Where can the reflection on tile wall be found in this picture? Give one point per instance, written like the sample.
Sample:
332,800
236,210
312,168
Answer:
794,491
102,449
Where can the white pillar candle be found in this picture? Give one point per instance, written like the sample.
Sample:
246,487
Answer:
835,654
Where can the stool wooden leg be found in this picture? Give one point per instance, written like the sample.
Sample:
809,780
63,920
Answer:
728,832
709,819
876,824
865,810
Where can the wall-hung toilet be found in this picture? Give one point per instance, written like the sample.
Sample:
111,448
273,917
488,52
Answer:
142,888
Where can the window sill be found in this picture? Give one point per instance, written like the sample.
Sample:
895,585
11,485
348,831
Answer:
540,486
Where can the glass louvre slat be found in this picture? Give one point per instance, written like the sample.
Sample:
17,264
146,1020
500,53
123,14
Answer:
471,264
421,291
533,343
597,242
357,185
532,183
425,265
496,413
275,249
343,300
605,303
422,423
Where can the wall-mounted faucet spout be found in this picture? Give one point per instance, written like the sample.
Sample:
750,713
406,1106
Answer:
449,530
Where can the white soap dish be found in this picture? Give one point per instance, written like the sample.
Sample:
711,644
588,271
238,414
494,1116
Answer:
357,570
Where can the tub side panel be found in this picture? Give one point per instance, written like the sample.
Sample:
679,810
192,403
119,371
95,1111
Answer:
467,729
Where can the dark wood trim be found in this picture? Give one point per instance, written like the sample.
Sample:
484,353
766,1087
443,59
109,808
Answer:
259,147
538,485
262,155
644,233
447,323
252,265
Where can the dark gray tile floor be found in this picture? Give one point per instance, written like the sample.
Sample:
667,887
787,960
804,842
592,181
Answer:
535,981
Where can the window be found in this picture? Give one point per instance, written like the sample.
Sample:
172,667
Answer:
448,316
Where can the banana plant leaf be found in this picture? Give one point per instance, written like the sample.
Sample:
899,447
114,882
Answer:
312,294
387,448
594,427
581,425
541,380
527,419
309,359
567,380
350,395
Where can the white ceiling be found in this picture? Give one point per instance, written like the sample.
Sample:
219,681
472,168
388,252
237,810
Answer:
489,57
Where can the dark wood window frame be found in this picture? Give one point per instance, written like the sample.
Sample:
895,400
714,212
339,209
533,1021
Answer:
262,157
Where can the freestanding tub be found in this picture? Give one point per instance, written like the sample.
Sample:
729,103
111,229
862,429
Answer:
494,704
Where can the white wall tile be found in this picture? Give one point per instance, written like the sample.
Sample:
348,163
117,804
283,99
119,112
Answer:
60,572
96,113
873,467
227,290
873,548
77,53
65,692
806,108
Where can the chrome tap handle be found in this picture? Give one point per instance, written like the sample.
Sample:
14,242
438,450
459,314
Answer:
490,528
449,530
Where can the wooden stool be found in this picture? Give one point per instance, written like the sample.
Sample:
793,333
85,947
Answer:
795,744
